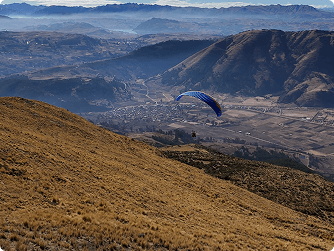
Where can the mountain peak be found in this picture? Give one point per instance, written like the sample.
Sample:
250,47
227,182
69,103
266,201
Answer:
259,62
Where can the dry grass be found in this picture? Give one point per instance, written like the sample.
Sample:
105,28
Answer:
67,184
304,192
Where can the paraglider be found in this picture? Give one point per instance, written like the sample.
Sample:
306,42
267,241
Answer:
204,97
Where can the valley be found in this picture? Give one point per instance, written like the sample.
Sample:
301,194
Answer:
132,91
245,121
96,153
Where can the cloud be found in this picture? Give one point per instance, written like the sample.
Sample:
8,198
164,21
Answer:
84,3
320,7
183,3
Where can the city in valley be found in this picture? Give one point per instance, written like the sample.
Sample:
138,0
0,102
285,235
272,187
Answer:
302,132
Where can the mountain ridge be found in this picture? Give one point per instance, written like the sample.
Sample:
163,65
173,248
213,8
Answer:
75,87
278,9
298,66
295,66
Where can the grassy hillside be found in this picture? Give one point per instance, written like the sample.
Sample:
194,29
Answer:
67,184
308,193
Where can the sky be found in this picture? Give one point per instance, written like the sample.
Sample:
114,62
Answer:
181,3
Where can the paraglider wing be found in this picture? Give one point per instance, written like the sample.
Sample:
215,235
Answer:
204,97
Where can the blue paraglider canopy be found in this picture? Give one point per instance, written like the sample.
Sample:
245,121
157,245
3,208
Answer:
204,97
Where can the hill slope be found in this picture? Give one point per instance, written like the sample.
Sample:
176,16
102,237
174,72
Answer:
308,193
76,94
77,87
141,63
296,65
67,184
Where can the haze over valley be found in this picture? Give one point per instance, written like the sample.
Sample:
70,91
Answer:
121,67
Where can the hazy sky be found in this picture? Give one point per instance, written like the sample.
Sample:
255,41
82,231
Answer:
183,3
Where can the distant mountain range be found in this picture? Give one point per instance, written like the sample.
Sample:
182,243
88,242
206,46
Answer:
19,9
153,19
26,9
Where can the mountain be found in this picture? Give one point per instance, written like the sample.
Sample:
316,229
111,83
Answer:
19,9
156,19
69,27
77,94
278,9
298,66
123,18
144,62
61,10
150,60
32,50
170,26
70,185
96,85
69,43
160,25
83,27
75,87
23,8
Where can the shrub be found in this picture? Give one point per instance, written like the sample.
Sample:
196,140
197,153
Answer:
21,246
55,199
14,237
87,218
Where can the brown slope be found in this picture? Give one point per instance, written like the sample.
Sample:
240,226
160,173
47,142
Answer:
67,184
298,65
308,193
